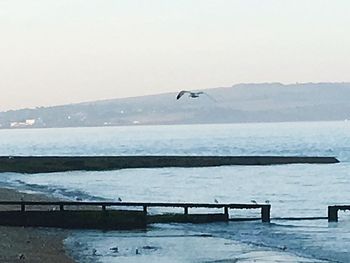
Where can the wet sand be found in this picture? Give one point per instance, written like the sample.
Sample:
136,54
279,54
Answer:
26,244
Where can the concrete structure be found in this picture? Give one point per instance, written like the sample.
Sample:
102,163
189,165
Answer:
46,164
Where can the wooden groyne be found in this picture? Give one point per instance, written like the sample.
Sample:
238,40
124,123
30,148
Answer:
333,212
46,164
101,216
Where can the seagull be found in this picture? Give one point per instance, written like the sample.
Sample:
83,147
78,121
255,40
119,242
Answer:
267,201
283,248
114,249
216,201
119,199
253,201
192,94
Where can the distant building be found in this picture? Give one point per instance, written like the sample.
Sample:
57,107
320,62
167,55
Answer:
30,122
26,123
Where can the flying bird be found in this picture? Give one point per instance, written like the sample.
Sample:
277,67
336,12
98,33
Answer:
192,94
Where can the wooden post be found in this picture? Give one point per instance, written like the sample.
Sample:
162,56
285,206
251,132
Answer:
332,214
186,210
145,210
23,207
61,207
265,213
226,212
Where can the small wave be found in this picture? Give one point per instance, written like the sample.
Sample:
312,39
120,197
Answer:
58,192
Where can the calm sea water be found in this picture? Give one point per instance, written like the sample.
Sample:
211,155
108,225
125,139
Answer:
293,190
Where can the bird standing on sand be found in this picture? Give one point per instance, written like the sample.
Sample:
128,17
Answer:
114,249
253,201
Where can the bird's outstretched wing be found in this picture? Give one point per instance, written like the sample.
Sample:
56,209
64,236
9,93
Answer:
210,97
181,93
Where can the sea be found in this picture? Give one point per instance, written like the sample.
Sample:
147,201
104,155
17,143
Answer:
294,190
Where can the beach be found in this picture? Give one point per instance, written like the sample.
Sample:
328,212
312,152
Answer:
296,190
27,244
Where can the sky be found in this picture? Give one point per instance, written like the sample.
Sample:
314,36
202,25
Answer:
65,51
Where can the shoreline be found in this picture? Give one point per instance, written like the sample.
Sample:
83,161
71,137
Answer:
30,244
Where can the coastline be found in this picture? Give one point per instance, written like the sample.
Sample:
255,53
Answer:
30,244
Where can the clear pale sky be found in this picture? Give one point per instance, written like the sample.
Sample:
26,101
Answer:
63,51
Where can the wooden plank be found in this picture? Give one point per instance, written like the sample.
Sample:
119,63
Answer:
136,204
265,214
187,218
186,210
342,207
82,219
333,212
103,218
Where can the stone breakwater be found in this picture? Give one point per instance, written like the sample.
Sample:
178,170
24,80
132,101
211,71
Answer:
46,164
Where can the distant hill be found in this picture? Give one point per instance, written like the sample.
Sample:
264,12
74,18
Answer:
265,102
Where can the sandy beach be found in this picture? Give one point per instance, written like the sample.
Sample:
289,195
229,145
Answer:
27,244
